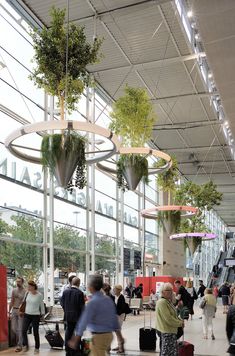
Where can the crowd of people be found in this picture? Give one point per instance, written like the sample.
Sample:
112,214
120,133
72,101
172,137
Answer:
104,312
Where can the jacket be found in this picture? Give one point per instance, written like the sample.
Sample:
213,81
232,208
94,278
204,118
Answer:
121,305
72,301
167,320
230,328
210,306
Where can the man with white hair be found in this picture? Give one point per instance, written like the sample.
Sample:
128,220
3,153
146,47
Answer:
167,321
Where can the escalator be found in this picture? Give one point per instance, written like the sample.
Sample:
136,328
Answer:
231,275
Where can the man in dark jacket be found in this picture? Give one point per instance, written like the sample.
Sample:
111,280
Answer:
201,289
230,329
72,302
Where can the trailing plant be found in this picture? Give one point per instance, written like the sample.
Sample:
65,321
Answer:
167,180
204,197
132,118
56,145
140,164
171,218
62,54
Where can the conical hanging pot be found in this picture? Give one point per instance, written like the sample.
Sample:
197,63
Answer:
65,167
131,176
193,243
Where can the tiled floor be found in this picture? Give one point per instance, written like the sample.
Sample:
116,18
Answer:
193,333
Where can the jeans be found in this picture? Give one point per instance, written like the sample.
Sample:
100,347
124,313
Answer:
28,319
17,326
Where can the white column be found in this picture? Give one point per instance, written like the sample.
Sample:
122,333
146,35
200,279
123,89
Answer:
45,217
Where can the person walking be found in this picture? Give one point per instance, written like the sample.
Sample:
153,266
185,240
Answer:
99,317
183,300
66,286
33,311
225,293
17,298
130,290
230,330
208,305
72,302
191,290
121,312
201,289
167,322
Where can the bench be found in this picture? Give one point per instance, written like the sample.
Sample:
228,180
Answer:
55,315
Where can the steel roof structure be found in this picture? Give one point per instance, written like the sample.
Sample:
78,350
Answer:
146,45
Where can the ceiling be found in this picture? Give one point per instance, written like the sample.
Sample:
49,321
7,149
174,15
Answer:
145,45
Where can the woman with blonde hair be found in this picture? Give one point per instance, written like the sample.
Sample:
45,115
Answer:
208,305
167,322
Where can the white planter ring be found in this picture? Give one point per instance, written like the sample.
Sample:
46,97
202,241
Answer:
62,125
187,211
141,150
205,236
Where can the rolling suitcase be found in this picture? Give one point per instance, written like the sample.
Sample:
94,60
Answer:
54,338
147,337
185,348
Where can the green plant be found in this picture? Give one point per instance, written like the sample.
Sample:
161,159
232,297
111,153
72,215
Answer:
204,197
52,148
63,78
132,118
173,218
167,179
140,164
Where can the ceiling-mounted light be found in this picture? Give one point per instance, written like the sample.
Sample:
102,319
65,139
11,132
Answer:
193,25
197,37
210,75
190,13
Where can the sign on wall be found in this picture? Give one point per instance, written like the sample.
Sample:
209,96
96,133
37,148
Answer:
137,259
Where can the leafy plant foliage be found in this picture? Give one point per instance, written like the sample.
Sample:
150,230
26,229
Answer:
133,118
53,146
140,164
66,82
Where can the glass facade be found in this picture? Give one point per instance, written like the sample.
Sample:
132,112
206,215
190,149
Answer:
46,231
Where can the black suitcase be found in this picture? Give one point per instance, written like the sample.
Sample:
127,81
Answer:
147,337
54,339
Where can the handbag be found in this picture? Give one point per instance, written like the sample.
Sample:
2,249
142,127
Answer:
202,304
127,309
23,305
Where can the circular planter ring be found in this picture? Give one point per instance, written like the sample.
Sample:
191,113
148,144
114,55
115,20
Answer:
61,125
203,235
188,211
141,150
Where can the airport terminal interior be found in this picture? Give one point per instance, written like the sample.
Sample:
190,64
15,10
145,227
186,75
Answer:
117,164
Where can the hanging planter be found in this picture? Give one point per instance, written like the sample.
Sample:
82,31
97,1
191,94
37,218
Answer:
130,170
62,54
193,239
62,154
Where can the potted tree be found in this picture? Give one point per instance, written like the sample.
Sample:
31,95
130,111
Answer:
205,197
62,54
170,220
132,118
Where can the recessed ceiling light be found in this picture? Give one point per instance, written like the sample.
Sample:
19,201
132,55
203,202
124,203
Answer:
190,13
210,75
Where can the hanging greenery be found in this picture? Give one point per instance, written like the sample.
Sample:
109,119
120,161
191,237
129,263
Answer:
65,80
204,197
62,54
132,118
167,180
54,146
170,220
140,164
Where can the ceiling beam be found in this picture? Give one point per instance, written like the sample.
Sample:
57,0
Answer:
206,162
153,64
188,95
186,125
195,148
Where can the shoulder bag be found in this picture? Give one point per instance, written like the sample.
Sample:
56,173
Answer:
23,305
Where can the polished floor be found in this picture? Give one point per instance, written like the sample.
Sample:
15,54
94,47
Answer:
193,334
